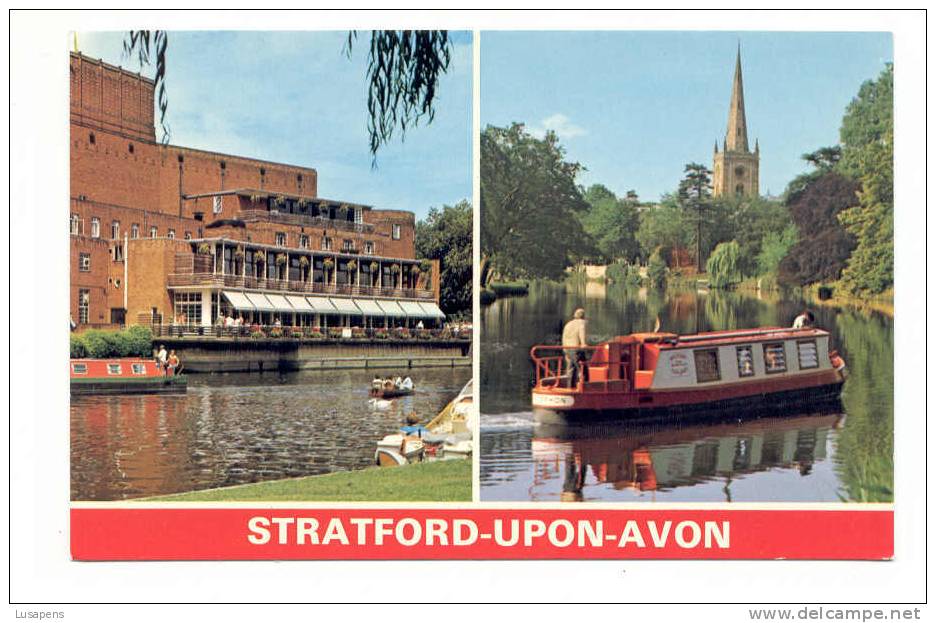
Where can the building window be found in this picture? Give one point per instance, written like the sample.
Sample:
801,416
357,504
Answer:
115,230
138,368
135,231
80,368
84,302
369,247
706,365
358,215
118,253
171,233
396,232
745,361
95,227
774,358
347,245
84,262
188,308
74,225
304,241
153,231
280,239
326,243
808,355
114,369
188,235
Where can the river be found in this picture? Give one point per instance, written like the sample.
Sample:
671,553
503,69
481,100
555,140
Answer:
231,429
842,454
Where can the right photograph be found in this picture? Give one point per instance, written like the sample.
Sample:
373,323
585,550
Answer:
687,267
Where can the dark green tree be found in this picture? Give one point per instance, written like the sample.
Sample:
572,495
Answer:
531,206
445,234
612,223
695,193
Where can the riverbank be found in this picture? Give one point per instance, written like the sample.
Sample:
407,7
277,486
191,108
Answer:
504,288
436,481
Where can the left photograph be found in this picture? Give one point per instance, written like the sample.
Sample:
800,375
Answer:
271,280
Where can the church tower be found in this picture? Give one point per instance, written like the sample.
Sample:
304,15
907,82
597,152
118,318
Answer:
736,168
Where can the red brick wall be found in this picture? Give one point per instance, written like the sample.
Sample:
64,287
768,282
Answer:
110,98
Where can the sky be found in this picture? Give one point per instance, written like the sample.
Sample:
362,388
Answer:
635,107
295,98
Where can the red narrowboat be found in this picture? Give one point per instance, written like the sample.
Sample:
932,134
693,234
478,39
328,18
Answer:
122,376
651,375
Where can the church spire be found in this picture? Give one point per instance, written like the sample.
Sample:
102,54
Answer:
736,136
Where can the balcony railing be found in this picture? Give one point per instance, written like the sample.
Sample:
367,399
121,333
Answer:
446,333
306,220
211,280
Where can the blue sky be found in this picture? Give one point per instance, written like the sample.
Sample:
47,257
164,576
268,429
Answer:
294,97
635,107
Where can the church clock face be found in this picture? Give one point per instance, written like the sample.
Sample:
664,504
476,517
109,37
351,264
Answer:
739,171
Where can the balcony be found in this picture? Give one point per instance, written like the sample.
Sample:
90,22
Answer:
211,280
303,220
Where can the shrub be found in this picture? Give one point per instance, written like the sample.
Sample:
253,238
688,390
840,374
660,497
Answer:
334,332
357,332
257,335
76,347
723,265
656,269
276,332
424,334
381,334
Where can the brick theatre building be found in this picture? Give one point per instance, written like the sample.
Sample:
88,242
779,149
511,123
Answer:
166,234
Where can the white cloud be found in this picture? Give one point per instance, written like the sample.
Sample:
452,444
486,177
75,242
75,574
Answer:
560,124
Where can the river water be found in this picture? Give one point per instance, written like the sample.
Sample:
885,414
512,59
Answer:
239,428
842,454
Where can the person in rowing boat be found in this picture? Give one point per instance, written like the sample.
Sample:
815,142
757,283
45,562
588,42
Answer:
804,320
573,338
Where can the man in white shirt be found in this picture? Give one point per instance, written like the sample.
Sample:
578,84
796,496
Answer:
573,338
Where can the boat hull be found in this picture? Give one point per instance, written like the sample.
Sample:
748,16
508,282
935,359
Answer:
390,393
98,387
686,407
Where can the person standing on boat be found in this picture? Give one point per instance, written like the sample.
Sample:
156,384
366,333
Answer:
573,339
162,358
172,362
804,320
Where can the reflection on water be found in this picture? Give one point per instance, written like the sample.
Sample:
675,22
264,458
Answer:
238,428
843,455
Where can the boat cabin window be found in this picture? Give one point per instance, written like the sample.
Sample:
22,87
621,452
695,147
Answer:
774,357
80,368
745,361
706,365
138,368
808,355
114,368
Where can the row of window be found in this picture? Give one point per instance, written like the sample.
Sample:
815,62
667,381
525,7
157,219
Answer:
707,367
76,227
114,369
347,245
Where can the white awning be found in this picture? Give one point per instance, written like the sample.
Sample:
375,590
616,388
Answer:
279,302
238,301
260,302
345,306
299,303
321,305
433,310
390,308
413,310
369,307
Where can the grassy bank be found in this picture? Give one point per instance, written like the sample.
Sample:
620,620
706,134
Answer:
439,481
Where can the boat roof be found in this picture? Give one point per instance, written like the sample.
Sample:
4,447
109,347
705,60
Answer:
717,338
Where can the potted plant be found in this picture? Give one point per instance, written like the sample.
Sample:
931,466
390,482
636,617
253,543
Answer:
394,269
204,249
304,262
329,263
280,259
239,253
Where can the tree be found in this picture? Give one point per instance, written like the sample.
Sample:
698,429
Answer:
774,247
403,72
723,265
612,223
750,221
824,245
867,137
445,235
824,158
530,206
694,195
663,228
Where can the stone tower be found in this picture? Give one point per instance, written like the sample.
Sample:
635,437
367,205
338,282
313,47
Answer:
736,168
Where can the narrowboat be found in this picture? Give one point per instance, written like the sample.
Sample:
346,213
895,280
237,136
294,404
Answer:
654,375
122,376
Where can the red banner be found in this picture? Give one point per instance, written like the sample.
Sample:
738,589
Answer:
452,533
